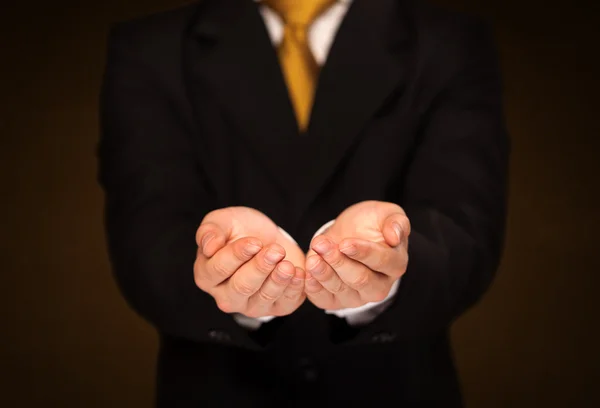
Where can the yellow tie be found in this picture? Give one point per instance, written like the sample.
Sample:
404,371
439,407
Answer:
298,64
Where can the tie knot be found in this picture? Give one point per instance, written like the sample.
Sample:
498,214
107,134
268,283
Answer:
299,12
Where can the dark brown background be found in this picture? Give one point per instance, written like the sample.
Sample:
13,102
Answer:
67,337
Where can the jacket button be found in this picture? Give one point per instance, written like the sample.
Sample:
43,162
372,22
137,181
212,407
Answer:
309,370
219,336
311,374
383,337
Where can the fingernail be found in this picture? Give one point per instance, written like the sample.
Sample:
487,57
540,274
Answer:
206,239
398,230
252,249
349,250
255,242
313,264
323,246
272,256
283,275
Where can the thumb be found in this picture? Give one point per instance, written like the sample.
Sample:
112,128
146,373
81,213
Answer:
212,236
396,229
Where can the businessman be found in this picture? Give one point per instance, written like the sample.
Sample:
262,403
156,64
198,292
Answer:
302,196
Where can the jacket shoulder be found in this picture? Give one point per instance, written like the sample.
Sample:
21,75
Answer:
447,39
446,26
440,18
153,31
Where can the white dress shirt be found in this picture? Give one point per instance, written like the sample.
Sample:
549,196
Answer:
320,36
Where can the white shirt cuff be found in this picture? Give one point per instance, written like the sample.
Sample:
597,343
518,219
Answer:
251,323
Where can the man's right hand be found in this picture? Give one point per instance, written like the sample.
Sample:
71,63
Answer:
247,265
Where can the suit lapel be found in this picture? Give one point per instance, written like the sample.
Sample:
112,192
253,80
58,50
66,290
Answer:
229,52
232,54
366,64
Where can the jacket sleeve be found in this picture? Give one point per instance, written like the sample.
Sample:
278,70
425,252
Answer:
455,193
155,198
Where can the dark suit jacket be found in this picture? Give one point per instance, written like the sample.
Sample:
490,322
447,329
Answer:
195,116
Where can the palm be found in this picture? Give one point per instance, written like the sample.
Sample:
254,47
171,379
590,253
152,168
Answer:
363,220
248,222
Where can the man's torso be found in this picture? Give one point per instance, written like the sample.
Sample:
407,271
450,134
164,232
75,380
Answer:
217,67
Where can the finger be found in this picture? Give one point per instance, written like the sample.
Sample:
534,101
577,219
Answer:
211,238
318,295
296,288
396,229
249,278
330,280
272,289
356,275
377,257
293,295
228,260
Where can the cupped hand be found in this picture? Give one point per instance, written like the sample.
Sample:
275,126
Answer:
358,259
247,264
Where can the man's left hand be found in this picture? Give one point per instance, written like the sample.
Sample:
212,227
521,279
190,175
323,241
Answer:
358,259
